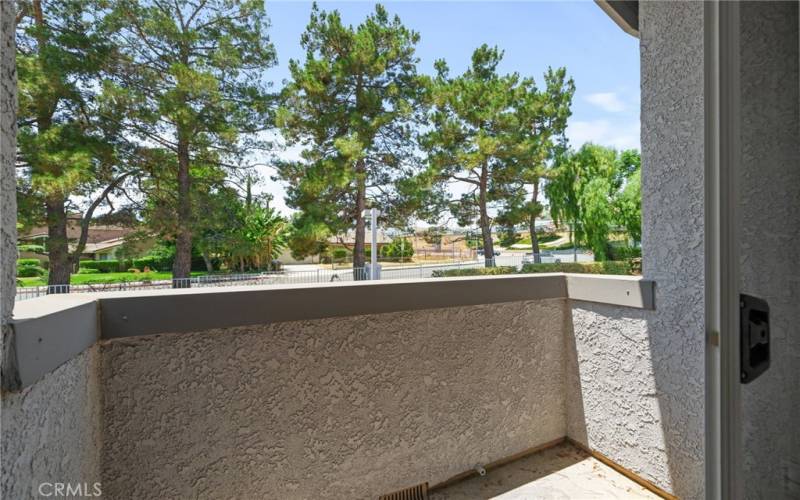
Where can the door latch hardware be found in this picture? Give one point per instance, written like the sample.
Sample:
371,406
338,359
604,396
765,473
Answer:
754,337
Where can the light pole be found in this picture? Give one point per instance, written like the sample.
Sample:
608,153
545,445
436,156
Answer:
373,268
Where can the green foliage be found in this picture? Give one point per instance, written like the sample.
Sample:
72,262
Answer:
398,248
30,271
543,238
623,252
433,235
509,236
628,205
27,262
86,270
352,105
474,271
67,145
31,248
594,189
603,267
493,132
339,253
154,263
104,266
194,97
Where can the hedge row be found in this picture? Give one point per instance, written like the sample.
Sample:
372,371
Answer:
27,262
474,271
603,267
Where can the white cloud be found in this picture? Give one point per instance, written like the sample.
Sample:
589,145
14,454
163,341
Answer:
603,132
607,101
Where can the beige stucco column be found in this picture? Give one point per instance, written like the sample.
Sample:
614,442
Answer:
8,147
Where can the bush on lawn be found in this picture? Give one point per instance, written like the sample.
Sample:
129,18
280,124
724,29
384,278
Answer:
154,262
399,247
604,267
473,271
103,266
86,270
30,271
31,248
27,262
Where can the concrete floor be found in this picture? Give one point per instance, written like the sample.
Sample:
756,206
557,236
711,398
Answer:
561,472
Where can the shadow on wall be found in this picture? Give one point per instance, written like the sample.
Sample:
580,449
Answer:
630,400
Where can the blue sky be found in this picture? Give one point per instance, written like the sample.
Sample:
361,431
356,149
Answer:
602,59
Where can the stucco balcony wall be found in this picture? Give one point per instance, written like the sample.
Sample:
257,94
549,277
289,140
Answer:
347,406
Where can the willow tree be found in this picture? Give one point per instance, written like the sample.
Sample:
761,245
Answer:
191,77
471,137
352,105
587,189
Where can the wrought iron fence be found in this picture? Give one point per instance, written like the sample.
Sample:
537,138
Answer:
290,276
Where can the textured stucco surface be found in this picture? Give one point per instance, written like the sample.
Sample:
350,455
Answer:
643,404
51,430
612,397
8,151
334,408
770,242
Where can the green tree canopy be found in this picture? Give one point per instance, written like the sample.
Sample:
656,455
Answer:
352,104
540,120
190,76
471,125
595,189
69,148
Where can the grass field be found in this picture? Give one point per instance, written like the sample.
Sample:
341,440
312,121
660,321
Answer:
96,278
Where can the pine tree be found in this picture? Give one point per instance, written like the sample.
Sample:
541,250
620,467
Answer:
353,105
191,77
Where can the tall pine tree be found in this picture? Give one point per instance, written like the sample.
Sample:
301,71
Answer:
191,77
352,105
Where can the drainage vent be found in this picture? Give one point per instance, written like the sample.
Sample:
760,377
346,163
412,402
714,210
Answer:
418,492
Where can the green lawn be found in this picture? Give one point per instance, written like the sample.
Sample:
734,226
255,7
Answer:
96,278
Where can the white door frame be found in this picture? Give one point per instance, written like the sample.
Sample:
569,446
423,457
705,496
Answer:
722,168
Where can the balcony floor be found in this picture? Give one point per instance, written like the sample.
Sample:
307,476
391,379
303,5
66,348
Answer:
560,472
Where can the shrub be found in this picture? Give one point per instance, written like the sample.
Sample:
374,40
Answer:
623,252
86,270
397,248
547,237
340,253
473,271
27,262
30,271
604,267
103,266
159,263
133,270
31,248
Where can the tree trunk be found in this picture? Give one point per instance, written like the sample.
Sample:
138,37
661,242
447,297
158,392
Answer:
485,222
57,246
209,264
359,258
537,258
182,267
